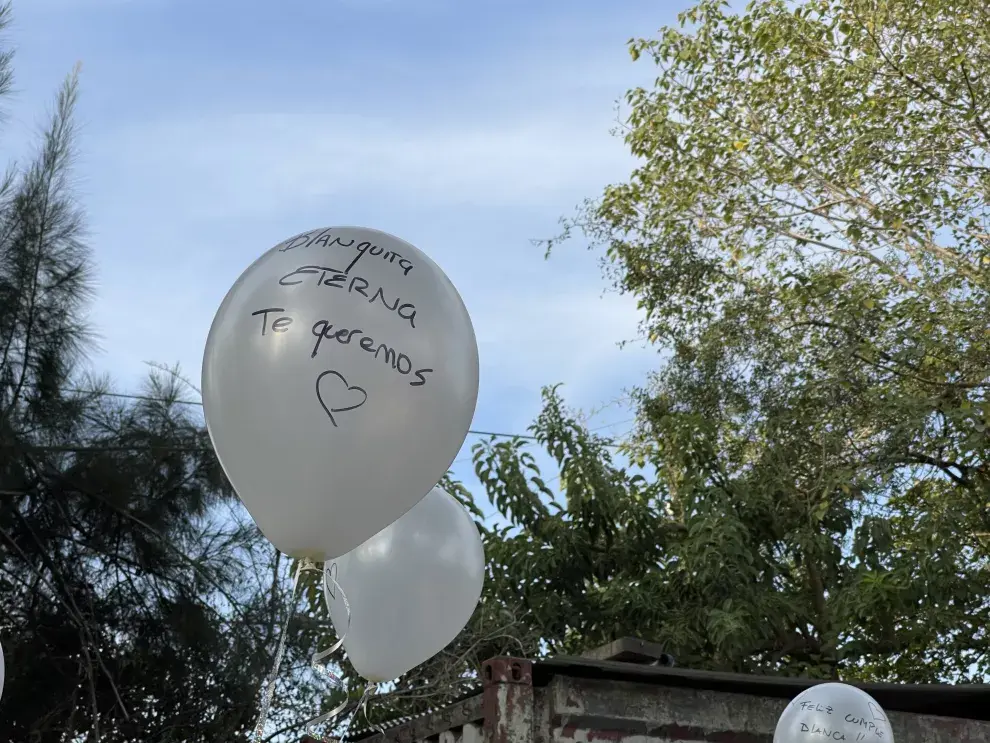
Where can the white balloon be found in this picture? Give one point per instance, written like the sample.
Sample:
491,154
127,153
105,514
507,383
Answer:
339,381
411,588
3,669
833,712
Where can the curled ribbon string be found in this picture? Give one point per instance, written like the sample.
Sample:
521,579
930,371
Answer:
369,689
362,707
268,693
319,663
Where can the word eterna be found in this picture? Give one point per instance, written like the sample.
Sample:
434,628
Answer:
334,278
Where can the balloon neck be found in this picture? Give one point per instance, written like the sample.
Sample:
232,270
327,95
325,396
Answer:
304,556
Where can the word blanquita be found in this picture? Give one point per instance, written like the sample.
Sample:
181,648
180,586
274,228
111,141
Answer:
334,278
325,239
325,330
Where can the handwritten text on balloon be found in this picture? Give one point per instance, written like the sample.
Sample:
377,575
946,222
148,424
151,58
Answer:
325,239
324,330
334,278
813,729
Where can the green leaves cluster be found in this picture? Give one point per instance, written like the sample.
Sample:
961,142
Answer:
134,603
807,491
572,562
806,231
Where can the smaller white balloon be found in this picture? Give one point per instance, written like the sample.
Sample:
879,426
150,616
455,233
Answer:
833,712
411,588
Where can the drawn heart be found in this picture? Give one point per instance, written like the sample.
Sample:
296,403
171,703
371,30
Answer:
877,712
332,390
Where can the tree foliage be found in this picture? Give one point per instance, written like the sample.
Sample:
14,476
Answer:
138,600
806,232
135,602
806,492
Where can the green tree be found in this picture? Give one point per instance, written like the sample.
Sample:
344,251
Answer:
135,601
137,598
806,232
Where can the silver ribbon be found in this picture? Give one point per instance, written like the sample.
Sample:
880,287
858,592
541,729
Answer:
318,662
370,687
320,666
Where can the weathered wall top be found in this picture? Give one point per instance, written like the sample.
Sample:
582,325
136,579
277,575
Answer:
647,699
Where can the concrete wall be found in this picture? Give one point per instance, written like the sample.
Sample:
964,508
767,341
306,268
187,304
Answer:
587,710
582,711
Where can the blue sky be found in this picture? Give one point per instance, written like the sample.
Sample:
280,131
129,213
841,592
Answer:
211,130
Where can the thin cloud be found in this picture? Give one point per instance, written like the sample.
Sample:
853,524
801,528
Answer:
271,162
182,198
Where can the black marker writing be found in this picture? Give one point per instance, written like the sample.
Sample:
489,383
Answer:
814,729
334,278
815,707
306,239
325,239
400,362
366,248
336,395
279,325
294,242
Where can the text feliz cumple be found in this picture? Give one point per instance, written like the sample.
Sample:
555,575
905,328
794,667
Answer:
815,729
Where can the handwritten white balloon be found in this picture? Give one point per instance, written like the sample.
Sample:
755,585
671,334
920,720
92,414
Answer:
340,378
833,712
411,588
